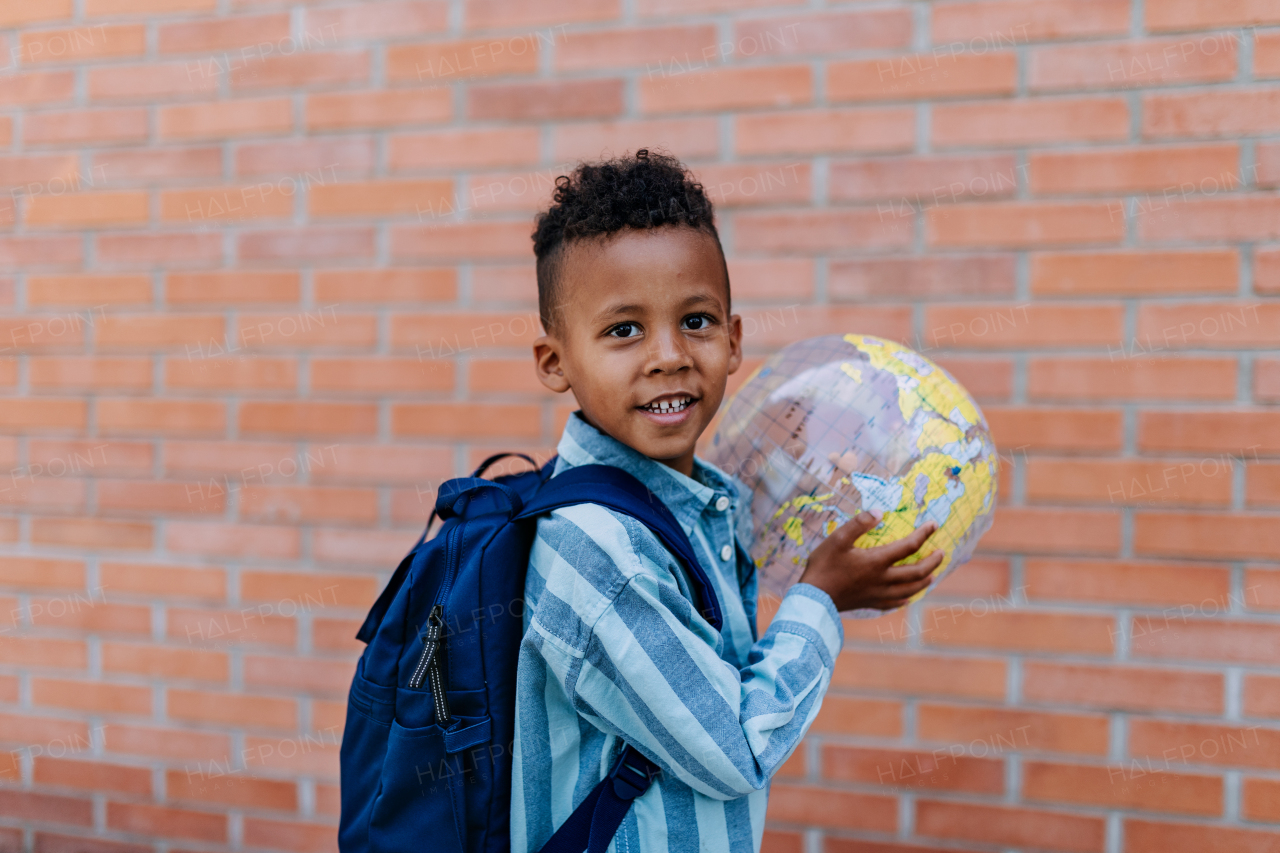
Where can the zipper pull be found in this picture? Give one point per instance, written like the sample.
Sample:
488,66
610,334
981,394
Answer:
429,647
429,665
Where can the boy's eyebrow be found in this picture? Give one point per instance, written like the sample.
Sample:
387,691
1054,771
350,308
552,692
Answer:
630,307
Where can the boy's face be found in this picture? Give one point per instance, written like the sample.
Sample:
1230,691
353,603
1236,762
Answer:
644,324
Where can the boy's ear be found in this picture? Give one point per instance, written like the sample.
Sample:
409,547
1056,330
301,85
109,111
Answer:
548,365
735,342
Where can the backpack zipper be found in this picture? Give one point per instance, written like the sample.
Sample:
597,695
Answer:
429,662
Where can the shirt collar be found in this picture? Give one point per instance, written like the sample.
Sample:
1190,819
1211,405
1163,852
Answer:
686,497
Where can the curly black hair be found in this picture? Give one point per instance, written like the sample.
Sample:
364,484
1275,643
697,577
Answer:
647,190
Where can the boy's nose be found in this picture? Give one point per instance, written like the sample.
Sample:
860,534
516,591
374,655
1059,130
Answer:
667,354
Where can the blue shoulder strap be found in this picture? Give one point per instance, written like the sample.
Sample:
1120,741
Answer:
595,821
616,489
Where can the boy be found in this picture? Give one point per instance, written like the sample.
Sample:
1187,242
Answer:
634,296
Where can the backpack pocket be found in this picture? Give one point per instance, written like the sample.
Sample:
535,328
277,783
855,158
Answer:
418,803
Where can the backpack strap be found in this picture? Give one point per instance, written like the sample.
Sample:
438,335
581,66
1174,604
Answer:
595,821
615,489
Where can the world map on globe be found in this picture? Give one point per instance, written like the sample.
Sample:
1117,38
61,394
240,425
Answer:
829,426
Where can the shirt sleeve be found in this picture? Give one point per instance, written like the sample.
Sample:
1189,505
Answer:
644,665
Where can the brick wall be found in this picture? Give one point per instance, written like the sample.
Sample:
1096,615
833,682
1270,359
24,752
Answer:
266,280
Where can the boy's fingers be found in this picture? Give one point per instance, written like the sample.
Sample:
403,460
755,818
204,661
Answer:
904,590
906,546
914,571
848,532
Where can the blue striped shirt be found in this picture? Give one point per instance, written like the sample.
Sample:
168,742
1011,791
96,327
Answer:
615,650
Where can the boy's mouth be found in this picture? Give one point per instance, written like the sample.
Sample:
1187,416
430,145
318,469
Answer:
669,409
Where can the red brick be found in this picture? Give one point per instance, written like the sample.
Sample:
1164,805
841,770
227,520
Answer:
1211,325
1170,171
174,744
1175,634
1266,55
241,374
1146,63
654,49
41,573
1010,826
307,418
224,34
1122,787
1262,485
939,74
231,709
342,110
379,198
542,101
83,127
868,130
994,626
726,89
1166,744
47,808
429,284
223,629
488,14
83,373
1055,531
43,653
990,730
39,87
19,14
175,250
90,775
1266,272
464,239
150,81
379,19
1143,836
146,580
1231,112
847,715
221,205
921,674
237,790
318,159
446,420
459,149
220,119
194,162
232,540
289,835
924,182
303,675
1260,800
996,23
166,822
1134,273
90,290
1262,588
91,533
1169,482
312,244
304,70
695,137
87,210
1261,696
1241,433
1064,430
445,62
817,230
171,417
1122,688
91,613
996,326
1030,122
814,34
835,809
176,663
1017,224
913,770
1132,379
1204,14
771,279
82,44
379,377
154,331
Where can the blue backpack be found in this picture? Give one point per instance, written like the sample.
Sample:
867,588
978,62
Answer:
426,753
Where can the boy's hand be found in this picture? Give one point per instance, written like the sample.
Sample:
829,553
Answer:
867,577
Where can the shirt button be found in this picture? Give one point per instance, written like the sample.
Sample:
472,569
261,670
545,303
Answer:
722,503
726,552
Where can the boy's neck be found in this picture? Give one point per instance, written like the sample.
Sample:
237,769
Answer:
683,464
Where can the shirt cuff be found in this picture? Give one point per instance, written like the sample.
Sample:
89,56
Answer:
809,606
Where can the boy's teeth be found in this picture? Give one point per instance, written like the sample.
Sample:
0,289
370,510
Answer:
668,406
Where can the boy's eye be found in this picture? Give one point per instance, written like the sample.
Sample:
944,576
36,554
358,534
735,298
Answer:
623,330
694,322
